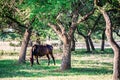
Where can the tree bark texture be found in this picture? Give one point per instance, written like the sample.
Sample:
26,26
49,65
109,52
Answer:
66,57
22,54
114,45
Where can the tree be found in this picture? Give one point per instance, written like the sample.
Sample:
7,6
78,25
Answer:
22,54
114,45
27,35
49,11
21,22
86,29
66,34
26,38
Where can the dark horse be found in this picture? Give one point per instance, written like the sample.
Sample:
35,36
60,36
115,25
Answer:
41,50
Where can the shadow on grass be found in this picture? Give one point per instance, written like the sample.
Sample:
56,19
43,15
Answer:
97,51
90,71
93,62
9,68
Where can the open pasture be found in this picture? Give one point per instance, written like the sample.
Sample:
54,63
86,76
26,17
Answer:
85,66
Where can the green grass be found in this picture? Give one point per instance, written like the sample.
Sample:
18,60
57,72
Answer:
85,66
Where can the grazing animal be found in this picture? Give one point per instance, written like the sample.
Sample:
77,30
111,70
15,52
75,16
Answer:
41,50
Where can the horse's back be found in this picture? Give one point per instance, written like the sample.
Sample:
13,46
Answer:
42,50
50,47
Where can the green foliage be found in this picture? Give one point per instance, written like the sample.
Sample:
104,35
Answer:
9,36
113,3
45,11
112,8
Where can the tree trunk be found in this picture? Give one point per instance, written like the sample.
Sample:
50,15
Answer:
73,43
114,45
66,58
103,41
91,43
86,40
24,45
87,44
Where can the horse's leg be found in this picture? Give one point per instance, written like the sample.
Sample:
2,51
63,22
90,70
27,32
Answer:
37,59
48,59
52,58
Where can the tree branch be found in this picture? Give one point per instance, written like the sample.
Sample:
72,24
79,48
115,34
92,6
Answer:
86,16
117,34
61,27
14,20
55,28
80,33
94,26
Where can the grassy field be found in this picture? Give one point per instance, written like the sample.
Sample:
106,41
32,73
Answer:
85,66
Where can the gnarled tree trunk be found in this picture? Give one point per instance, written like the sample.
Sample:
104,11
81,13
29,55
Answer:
66,36
22,54
114,45
66,57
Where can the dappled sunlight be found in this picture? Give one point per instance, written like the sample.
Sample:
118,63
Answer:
81,77
3,57
96,62
84,66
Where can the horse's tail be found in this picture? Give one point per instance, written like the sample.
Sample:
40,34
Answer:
31,56
34,49
32,52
